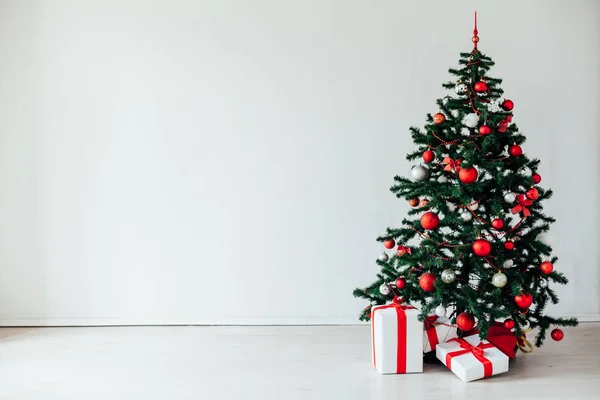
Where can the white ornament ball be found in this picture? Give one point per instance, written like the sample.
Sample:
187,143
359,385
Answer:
466,216
471,120
499,280
474,206
448,275
510,197
384,257
442,179
384,289
440,311
460,88
508,264
419,173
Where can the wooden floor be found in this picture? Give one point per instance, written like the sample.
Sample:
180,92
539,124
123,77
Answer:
283,363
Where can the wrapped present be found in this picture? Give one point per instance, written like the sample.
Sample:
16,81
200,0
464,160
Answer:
397,339
503,339
471,358
437,330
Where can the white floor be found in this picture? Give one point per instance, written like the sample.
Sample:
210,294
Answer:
283,363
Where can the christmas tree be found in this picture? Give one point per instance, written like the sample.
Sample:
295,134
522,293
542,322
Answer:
470,248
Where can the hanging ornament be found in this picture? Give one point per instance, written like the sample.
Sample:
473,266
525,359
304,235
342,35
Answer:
414,202
389,243
523,300
427,282
419,173
515,150
440,311
509,324
428,156
509,245
482,247
442,179
523,203
465,321
466,216
474,205
460,88
499,280
467,175
485,130
438,118
383,257
507,105
403,250
502,126
536,178
384,289
400,283
448,275
430,221
497,223
508,264
532,194
480,87
557,334
471,120
510,197
424,203
546,267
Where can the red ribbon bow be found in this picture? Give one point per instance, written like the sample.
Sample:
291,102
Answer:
477,351
524,202
450,164
401,352
432,336
403,250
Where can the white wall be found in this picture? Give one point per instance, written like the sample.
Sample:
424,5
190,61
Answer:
229,161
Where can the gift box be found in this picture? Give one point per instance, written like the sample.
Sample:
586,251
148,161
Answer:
437,330
471,358
397,339
503,339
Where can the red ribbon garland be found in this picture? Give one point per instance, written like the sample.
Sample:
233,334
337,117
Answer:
477,351
401,353
450,164
432,336
524,202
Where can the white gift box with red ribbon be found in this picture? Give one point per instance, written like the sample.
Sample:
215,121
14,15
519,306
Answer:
437,330
397,339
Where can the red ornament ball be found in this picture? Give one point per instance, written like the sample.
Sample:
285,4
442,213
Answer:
482,247
389,243
438,118
509,324
414,202
537,178
497,223
485,130
515,150
557,334
427,281
546,267
532,194
507,105
400,283
465,321
480,87
523,300
502,126
509,245
428,156
430,221
467,175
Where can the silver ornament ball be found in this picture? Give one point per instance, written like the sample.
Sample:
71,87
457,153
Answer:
384,257
510,197
471,120
499,280
474,206
466,216
460,88
384,289
448,275
442,179
440,311
508,264
419,173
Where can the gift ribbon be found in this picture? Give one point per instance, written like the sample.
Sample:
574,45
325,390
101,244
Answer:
525,345
403,250
432,336
477,351
401,352
522,206
451,164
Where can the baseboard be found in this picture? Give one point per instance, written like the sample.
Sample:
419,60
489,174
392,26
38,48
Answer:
12,322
